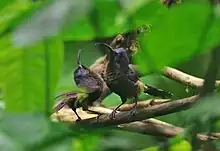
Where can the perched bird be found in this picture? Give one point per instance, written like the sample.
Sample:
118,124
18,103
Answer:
90,82
123,81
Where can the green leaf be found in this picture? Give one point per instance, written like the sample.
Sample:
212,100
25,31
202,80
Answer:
4,3
183,146
15,13
212,38
43,23
121,16
33,132
8,144
175,36
32,75
82,30
205,110
81,143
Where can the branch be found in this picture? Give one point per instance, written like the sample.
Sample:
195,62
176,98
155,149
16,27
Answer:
158,128
184,78
178,76
151,126
154,111
142,104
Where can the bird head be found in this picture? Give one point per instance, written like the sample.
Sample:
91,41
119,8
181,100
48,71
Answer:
81,70
118,56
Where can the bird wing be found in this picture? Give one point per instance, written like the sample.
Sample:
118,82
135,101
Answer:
132,75
90,84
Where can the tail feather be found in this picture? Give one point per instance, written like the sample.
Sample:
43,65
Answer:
63,102
157,92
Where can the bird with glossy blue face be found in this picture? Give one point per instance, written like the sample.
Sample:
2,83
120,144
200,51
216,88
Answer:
123,81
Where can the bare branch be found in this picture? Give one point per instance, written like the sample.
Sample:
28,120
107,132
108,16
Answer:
142,104
184,78
154,111
151,126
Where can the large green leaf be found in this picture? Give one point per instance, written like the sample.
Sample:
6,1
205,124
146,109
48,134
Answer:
50,20
183,146
31,75
81,143
15,13
176,35
33,132
84,21
213,35
4,3
121,16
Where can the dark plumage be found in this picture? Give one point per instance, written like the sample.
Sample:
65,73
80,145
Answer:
87,80
123,81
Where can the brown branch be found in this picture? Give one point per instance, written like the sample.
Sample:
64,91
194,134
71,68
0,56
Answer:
158,128
154,111
151,126
184,78
142,104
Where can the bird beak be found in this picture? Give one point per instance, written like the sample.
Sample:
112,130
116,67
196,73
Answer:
111,50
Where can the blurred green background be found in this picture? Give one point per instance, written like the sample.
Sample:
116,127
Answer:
39,41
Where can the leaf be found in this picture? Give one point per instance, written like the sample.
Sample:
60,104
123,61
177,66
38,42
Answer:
176,36
212,38
4,3
82,142
85,20
183,146
15,13
35,133
32,75
121,16
8,144
49,20
205,110
82,30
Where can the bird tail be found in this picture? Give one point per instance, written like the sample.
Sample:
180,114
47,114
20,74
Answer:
153,91
156,92
66,97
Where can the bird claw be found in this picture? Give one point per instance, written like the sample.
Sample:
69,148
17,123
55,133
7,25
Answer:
112,115
133,112
79,119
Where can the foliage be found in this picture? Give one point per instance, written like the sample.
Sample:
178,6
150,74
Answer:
183,145
32,60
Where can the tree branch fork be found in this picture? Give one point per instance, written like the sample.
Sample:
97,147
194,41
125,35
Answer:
142,121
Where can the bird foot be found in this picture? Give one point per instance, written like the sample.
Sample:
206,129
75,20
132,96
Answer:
112,115
79,119
133,112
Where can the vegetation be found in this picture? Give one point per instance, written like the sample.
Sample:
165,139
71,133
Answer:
39,41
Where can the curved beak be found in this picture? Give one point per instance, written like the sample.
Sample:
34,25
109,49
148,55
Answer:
111,50
78,58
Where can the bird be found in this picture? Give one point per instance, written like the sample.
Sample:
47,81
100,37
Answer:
123,81
91,86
